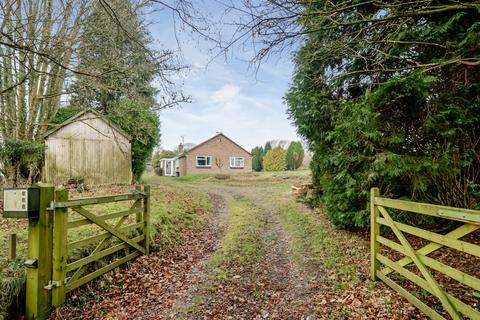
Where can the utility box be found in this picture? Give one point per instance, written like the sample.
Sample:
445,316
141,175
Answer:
21,202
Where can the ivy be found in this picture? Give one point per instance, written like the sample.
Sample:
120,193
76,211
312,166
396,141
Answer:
20,160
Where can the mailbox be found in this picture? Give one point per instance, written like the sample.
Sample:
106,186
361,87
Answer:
21,202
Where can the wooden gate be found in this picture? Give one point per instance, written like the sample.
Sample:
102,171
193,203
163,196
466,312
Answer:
424,264
116,237
69,275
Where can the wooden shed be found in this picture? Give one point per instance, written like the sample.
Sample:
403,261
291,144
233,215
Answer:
88,146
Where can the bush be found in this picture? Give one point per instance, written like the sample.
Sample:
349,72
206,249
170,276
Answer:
274,160
21,160
412,132
12,288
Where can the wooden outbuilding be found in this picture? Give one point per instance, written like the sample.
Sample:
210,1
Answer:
88,147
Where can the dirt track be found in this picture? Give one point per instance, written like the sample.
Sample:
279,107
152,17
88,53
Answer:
285,278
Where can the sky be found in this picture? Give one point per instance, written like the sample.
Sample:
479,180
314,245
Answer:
228,96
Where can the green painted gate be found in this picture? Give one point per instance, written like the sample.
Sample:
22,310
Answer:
53,271
422,275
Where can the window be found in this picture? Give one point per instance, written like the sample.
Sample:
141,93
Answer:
204,161
237,162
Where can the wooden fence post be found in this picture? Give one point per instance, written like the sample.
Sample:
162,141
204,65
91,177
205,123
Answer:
12,246
59,249
374,232
138,216
146,218
39,258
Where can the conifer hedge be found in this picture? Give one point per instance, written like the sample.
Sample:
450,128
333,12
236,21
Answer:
388,95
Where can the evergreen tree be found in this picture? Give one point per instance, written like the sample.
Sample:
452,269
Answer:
268,147
294,155
117,50
389,95
257,160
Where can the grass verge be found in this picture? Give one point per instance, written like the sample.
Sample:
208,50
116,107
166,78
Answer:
176,208
11,286
317,241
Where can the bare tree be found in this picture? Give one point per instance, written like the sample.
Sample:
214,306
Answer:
37,53
279,26
39,43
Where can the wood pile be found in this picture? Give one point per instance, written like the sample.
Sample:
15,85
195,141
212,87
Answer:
302,189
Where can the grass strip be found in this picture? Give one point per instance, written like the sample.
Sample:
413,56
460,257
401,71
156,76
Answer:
241,245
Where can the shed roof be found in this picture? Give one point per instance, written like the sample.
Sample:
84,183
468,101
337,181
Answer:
81,113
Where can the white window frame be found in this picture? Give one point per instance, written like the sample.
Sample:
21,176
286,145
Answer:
208,160
233,164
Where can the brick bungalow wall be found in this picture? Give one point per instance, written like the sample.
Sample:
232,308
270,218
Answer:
219,148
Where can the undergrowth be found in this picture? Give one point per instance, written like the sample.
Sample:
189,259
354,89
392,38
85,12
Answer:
11,287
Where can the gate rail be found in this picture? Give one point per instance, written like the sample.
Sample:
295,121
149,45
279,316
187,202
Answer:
380,216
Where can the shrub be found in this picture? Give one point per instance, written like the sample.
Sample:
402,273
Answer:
21,160
274,160
373,120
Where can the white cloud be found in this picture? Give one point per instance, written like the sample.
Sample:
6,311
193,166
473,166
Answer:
227,93
228,96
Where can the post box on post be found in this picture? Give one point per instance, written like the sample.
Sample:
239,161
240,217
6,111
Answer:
21,202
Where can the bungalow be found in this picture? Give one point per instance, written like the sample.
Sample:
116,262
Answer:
218,154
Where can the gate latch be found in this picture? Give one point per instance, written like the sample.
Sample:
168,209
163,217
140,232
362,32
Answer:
52,284
135,191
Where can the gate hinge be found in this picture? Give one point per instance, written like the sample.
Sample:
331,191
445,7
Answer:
52,284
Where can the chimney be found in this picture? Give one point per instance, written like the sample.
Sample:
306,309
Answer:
180,148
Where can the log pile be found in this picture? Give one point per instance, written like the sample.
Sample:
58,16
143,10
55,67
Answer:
302,189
